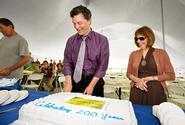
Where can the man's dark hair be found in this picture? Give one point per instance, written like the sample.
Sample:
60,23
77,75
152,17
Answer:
83,10
6,22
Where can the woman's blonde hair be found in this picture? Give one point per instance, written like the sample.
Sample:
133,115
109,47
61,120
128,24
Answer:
147,32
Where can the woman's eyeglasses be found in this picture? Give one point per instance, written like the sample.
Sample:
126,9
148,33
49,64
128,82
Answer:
140,38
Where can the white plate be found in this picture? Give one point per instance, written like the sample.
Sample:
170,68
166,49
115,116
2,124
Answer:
14,94
7,82
23,94
4,95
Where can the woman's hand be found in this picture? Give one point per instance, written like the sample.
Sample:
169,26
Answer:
141,84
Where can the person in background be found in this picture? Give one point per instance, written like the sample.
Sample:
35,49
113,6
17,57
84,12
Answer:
34,67
85,57
148,69
59,66
51,62
37,62
48,76
14,53
54,67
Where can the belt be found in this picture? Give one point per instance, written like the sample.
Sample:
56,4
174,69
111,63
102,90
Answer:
87,76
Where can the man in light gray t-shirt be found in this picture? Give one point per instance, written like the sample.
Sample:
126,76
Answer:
14,53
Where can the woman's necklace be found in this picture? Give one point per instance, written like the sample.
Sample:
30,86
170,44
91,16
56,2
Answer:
143,62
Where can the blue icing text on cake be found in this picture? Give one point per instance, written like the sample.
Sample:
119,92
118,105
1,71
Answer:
103,116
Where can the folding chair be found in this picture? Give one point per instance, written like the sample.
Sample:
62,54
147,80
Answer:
109,91
61,81
32,78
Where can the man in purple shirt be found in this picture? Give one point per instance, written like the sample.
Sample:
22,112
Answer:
96,55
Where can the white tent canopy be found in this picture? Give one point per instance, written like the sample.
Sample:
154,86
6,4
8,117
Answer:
46,25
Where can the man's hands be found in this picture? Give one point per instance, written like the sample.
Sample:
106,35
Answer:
5,72
67,87
89,90
68,84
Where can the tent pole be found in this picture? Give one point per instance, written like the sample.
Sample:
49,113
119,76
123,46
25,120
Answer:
162,20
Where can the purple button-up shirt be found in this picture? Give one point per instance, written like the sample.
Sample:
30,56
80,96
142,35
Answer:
96,54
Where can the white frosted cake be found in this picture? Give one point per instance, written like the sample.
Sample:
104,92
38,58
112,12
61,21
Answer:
76,109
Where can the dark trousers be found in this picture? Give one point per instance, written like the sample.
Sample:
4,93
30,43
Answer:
81,86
